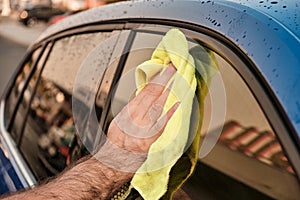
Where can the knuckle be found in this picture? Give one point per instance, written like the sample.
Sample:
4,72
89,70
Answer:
153,89
156,108
155,112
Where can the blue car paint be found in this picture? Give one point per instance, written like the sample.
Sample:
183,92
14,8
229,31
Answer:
285,12
9,181
266,30
280,27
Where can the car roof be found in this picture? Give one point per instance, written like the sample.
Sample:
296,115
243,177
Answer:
285,12
267,31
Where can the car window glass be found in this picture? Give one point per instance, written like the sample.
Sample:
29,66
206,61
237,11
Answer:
22,108
18,85
49,142
247,153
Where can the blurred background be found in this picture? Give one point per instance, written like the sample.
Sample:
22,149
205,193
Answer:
22,21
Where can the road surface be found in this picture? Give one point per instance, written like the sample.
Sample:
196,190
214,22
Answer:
11,54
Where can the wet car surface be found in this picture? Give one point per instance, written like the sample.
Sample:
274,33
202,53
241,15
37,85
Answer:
250,136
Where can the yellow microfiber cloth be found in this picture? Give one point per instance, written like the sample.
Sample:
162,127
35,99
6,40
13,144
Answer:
168,163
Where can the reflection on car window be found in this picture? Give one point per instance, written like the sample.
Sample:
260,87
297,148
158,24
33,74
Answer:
48,140
248,160
247,150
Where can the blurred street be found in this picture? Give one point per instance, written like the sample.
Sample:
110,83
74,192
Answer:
15,37
10,55
14,40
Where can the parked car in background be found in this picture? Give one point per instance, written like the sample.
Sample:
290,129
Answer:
250,145
34,13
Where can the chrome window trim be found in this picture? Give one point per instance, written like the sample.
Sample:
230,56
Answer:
20,166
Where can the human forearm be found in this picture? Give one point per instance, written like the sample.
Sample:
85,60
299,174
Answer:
129,138
94,178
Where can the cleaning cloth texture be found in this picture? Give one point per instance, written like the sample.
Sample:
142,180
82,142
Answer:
172,157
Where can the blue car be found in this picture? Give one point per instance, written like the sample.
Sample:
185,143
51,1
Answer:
250,147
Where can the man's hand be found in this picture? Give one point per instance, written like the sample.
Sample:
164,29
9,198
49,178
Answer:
140,123
129,138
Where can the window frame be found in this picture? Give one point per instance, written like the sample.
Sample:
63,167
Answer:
21,96
18,162
31,73
47,54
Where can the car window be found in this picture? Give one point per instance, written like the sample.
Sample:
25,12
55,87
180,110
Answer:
47,137
239,150
17,89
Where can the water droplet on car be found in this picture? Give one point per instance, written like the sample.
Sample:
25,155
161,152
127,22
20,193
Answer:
274,2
